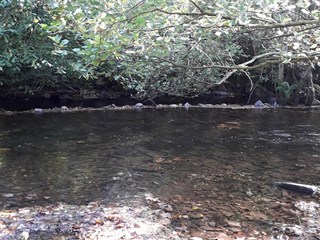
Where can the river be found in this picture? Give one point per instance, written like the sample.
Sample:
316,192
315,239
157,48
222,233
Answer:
119,156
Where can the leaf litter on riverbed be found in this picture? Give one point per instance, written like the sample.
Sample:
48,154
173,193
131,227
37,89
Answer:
244,209
210,208
95,221
177,218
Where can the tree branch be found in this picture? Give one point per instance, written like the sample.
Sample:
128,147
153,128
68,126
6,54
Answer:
197,7
202,13
236,67
243,66
252,26
292,34
282,25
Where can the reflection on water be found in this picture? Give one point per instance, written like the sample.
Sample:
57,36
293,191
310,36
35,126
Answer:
116,155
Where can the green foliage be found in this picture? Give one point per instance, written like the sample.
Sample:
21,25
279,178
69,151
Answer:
31,55
286,88
151,46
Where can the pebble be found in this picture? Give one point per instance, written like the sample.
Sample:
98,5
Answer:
249,193
212,224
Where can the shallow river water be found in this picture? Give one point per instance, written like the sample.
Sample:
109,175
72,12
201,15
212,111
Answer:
118,156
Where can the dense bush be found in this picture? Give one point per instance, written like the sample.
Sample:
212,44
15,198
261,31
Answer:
181,47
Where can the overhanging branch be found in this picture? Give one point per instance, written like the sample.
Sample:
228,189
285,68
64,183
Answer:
282,25
243,66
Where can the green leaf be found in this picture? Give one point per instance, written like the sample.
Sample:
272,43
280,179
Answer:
140,21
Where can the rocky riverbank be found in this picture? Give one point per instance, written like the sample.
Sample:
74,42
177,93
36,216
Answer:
140,106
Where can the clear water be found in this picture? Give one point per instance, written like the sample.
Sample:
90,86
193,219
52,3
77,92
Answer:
118,155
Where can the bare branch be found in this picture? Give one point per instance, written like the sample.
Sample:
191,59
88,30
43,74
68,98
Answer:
250,26
282,25
236,67
243,66
291,34
135,6
202,13
197,7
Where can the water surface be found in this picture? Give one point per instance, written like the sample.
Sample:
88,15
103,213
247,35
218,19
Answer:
116,156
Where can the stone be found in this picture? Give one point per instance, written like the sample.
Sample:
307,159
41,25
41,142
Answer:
186,105
38,110
64,108
258,104
138,105
8,195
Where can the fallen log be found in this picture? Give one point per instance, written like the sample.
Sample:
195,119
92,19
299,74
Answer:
297,187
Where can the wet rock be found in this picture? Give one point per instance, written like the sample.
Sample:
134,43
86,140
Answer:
138,105
196,216
212,224
174,105
38,110
186,105
8,195
64,108
208,105
249,193
258,104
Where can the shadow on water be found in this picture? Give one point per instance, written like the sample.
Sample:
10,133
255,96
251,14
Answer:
117,156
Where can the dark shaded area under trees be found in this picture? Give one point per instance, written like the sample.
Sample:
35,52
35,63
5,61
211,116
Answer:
94,53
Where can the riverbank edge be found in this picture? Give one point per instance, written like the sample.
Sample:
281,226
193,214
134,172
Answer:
140,107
